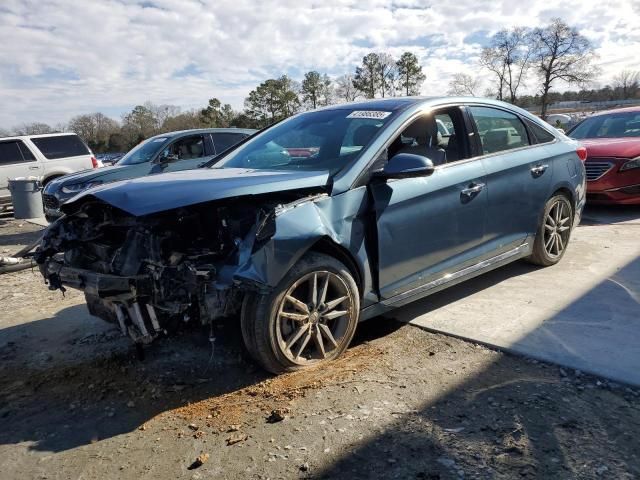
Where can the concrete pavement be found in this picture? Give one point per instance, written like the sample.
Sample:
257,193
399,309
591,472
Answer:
583,313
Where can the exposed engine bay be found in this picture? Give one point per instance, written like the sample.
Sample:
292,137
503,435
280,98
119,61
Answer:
151,273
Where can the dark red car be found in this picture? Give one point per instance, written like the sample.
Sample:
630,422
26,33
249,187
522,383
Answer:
612,139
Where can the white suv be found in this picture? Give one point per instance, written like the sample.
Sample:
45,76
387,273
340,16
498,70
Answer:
43,156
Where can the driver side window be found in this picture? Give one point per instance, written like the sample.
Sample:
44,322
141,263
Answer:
187,148
438,136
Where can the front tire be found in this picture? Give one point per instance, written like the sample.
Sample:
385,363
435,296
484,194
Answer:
310,317
553,233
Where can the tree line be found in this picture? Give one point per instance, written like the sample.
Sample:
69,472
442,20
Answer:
274,99
542,57
537,58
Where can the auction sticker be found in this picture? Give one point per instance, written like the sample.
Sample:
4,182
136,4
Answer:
374,114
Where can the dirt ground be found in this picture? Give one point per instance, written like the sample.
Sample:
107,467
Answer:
75,402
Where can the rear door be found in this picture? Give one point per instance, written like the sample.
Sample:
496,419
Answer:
518,176
16,160
66,151
224,140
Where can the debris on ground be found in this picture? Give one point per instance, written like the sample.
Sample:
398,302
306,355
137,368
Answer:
199,461
237,438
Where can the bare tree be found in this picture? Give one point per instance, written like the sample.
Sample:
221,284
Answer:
387,71
464,85
562,53
95,129
34,128
627,82
345,89
508,57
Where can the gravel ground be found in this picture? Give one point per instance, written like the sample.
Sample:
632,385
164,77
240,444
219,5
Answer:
402,403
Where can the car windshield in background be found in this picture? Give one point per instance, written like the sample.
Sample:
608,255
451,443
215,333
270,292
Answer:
60,146
325,140
143,152
617,125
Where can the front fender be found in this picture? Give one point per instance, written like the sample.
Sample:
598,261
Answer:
342,219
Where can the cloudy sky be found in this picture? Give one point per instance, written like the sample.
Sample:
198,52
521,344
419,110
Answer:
60,58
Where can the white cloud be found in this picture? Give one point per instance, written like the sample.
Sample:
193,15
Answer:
61,58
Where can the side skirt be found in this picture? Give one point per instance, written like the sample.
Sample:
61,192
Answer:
446,281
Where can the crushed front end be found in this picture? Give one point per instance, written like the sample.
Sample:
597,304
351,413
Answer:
149,274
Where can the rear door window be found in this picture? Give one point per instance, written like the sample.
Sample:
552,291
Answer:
14,152
223,141
499,130
61,146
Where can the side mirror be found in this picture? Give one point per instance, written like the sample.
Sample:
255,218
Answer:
406,165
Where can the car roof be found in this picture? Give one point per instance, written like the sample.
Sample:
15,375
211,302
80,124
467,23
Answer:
619,110
192,131
401,103
40,135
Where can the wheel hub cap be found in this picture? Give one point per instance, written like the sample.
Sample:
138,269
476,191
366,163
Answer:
313,317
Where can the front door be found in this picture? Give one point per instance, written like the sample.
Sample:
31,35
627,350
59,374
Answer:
186,153
428,227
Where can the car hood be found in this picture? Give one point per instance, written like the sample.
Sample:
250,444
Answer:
104,174
157,193
612,147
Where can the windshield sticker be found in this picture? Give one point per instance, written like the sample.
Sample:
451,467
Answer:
376,115
161,139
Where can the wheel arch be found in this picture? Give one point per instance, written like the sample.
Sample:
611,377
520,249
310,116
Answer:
327,246
566,191
52,176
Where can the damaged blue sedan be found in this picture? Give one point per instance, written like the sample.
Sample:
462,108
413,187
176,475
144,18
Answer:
322,220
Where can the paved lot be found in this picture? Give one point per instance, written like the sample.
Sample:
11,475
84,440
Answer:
402,403
583,313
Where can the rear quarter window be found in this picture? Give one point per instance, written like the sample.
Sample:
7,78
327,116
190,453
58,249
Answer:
61,146
540,135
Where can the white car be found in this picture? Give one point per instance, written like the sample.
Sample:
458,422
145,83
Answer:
43,156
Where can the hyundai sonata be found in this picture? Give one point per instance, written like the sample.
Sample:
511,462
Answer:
322,220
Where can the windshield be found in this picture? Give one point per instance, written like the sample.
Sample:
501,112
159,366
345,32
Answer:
615,125
144,151
325,140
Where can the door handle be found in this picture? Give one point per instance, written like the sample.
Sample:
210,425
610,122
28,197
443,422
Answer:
539,170
473,189
34,168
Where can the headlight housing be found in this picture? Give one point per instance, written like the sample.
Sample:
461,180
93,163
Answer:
631,164
79,187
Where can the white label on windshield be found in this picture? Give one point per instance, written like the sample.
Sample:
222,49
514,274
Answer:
161,139
376,115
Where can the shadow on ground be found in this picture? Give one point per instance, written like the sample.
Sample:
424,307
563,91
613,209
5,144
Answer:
576,427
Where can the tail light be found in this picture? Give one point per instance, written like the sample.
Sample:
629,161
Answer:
94,162
582,153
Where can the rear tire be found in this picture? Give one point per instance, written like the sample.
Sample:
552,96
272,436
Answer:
553,233
310,317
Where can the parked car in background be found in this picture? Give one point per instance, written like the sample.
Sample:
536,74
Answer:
612,139
44,156
167,152
109,159
324,219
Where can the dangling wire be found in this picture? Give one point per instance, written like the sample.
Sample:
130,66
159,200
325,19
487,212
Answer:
212,341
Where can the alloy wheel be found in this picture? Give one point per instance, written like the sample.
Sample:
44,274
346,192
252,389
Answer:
313,317
557,228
